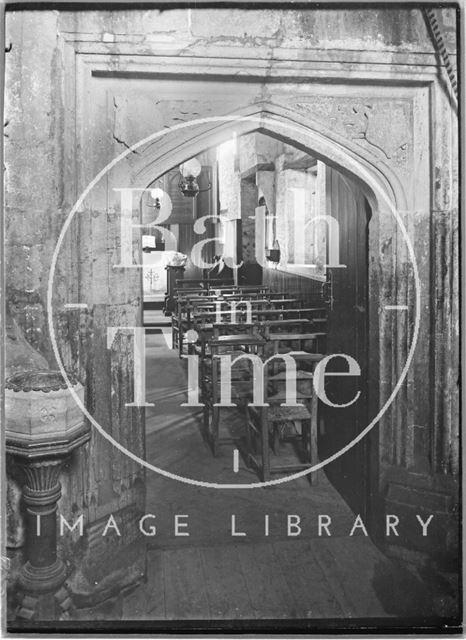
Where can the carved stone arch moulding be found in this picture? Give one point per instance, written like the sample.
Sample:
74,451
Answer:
279,121
381,126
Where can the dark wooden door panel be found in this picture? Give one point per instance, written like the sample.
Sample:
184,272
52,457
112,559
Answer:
347,334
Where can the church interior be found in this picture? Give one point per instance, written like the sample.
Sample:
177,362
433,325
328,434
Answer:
238,289
232,332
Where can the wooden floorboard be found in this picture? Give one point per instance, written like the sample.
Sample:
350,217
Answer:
268,589
317,579
185,588
301,579
226,587
147,601
356,566
156,585
306,581
333,574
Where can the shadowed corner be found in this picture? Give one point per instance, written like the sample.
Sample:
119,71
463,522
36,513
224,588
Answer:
408,592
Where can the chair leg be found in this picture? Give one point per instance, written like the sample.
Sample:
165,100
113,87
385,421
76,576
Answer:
275,444
214,429
265,444
321,422
306,439
314,459
249,440
180,342
206,421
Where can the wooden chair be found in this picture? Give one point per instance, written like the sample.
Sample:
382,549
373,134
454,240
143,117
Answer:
179,322
203,283
284,342
218,283
274,423
290,324
207,329
285,303
182,318
253,288
241,377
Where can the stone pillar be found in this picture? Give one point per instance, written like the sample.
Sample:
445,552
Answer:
251,271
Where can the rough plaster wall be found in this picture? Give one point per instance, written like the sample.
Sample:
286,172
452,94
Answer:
97,479
382,29
229,186
33,153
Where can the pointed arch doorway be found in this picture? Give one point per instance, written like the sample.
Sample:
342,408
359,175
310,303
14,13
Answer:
355,474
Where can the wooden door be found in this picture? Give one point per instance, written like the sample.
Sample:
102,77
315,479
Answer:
348,334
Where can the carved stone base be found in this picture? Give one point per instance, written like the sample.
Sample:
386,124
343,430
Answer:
56,605
42,579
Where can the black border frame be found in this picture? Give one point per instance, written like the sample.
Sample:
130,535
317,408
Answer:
249,628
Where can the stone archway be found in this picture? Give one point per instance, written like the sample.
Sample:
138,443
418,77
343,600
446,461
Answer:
379,183
169,148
